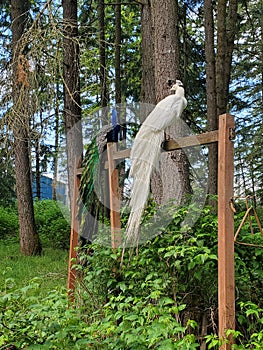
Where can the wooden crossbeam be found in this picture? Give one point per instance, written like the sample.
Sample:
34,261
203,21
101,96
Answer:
192,140
171,145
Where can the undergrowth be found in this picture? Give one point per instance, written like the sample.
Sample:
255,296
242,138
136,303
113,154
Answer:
162,297
165,296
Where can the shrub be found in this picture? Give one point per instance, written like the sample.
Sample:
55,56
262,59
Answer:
172,279
8,222
156,300
159,296
28,321
52,223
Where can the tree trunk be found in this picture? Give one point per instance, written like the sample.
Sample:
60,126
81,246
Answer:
102,50
104,97
185,50
148,79
212,117
56,147
72,109
38,172
226,32
221,57
166,46
231,31
29,240
218,88
117,52
172,181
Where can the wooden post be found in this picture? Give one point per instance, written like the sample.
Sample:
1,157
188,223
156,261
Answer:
114,197
226,272
73,237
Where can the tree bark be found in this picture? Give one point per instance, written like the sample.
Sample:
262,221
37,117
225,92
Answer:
72,108
38,171
172,181
29,239
226,33
218,87
166,46
56,147
148,79
212,117
231,31
102,50
221,57
117,52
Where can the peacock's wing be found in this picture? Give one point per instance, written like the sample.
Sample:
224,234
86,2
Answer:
166,112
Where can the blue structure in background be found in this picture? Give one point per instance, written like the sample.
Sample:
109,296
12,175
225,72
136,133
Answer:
46,189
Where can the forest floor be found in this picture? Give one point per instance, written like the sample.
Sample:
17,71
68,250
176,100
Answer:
50,269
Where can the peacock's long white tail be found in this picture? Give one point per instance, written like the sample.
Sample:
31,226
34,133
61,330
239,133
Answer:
145,155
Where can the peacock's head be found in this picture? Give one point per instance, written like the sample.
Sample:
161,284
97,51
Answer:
176,85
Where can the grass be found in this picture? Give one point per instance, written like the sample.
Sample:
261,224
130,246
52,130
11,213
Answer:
17,270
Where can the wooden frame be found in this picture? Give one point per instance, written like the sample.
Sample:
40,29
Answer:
226,274
226,282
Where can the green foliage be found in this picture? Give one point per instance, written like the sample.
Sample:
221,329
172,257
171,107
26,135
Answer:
158,298
52,221
155,298
8,222
248,257
7,180
28,320
252,339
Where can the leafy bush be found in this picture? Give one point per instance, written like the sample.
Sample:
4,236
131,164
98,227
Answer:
26,321
7,178
8,222
154,299
29,321
52,223
159,296
172,279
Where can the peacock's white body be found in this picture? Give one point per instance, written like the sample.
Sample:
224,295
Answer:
145,155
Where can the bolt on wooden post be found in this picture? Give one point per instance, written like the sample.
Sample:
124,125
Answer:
226,271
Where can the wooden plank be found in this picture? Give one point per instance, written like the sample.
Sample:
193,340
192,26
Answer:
192,140
171,145
226,274
114,197
118,155
125,153
73,238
